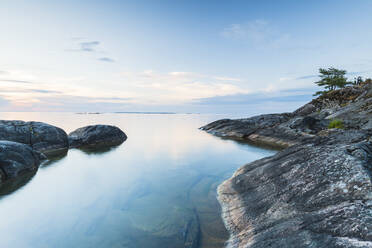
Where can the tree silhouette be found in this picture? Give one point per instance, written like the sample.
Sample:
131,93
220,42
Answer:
331,79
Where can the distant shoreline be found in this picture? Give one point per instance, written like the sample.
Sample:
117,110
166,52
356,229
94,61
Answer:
135,112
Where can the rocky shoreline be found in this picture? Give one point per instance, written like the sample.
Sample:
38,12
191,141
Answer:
25,145
315,192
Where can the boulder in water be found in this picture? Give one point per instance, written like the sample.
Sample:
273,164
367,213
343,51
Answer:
17,159
96,136
40,136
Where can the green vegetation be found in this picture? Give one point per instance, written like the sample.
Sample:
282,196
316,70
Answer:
336,123
331,79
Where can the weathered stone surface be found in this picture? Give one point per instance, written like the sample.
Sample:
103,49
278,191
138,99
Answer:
17,159
317,192
241,129
277,130
304,196
352,105
40,136
305,110
96,136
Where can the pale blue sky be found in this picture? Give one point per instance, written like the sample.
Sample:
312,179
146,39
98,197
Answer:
182,56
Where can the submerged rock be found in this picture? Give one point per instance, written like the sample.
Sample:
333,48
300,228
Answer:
40,136
17,159
96,136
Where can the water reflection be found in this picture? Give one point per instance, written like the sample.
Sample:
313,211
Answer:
97,150
11,185
250,144
53,159
158,189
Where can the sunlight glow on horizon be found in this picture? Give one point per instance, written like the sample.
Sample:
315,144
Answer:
184,56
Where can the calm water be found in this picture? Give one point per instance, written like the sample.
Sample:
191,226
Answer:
143,193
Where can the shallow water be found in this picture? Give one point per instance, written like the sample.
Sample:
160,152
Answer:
158,189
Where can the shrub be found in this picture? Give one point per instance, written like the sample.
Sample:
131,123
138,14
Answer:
336,124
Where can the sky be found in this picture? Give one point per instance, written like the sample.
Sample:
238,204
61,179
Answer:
179,56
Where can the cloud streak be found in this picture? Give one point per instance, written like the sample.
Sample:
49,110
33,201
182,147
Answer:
45,91
16,81
86,46
307,77
89,46
68,103
257,32
179,87
353,73
33,90
106,59
255,98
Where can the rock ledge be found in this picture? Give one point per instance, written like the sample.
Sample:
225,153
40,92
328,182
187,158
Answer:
317,192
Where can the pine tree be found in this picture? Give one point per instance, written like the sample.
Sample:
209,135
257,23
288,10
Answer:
331,79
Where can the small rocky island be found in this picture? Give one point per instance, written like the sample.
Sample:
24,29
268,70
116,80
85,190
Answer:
315,192
24,145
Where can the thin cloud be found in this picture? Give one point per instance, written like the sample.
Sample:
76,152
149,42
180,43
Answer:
58,102
18,90
77,38
106,59
196,75
235,31
246,99
353,73
178,87
16,81
298,91
306,77
3,102
114,98
257,32
45,91
228,79
89,46
77,103
181,73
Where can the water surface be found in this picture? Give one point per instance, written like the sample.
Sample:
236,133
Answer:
144,193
